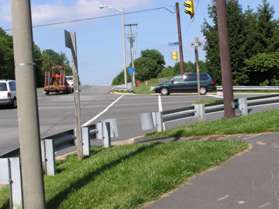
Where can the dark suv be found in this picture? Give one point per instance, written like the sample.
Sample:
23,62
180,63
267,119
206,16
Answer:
187,83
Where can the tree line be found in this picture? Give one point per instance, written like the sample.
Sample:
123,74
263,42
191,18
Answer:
254,48
43,59
253,40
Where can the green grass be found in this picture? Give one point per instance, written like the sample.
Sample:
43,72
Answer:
254,123
4,197
128,176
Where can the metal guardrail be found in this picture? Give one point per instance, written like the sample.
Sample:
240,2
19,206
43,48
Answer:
149,121
252,88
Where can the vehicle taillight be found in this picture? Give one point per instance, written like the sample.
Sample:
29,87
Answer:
9,94
213,83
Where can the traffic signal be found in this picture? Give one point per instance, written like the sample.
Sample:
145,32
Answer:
174,56
190,7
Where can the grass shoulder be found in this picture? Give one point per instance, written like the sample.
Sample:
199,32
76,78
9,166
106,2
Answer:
255,123
129,176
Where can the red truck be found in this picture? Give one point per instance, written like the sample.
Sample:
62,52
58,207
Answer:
55,81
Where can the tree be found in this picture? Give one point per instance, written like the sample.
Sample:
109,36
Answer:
250,33
6,56
149,65
51,58
263,68
38,66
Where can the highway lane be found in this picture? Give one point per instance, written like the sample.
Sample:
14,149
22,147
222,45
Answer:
56,114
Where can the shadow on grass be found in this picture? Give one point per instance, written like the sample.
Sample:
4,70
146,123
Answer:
5,205
60,163
75,186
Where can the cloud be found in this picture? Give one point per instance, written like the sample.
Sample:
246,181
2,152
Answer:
60,10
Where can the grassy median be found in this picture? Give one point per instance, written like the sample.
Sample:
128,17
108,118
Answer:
128,176
254,123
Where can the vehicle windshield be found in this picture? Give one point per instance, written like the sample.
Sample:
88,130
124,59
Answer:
69,78
3,87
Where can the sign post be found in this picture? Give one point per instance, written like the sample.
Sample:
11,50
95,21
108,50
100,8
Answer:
70,42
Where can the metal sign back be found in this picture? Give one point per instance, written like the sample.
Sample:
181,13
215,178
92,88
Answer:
68,40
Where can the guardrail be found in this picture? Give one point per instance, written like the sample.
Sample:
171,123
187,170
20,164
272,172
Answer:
10,171
252,88
157,120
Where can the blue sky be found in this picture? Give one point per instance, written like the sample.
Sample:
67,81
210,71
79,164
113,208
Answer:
99,41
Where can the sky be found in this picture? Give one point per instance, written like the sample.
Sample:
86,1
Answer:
100,53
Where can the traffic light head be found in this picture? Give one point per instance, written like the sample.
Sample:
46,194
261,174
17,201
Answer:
190,7
174,56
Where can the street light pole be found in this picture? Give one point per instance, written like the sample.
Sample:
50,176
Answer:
123,38
124,46
225,58
28,116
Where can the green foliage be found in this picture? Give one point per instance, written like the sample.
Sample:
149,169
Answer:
149,65
51,58
43,60
250,33
129,176
6,56
119,79
264,68
188,67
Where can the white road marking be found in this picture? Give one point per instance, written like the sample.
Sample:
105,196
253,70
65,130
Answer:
101,113
241,202
160,108
223,198
265,205
160,105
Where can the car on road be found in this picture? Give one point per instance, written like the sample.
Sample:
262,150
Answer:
8,93
70,80
187,83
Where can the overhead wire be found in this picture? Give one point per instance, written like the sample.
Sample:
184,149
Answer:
99,17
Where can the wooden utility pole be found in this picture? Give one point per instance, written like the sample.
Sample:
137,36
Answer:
225,58
180,39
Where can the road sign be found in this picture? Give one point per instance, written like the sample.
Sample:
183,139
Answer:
131,70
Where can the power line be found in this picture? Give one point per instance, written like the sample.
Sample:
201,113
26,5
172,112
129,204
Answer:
98,17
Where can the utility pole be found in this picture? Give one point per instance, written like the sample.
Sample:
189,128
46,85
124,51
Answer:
196,45
28,116
180,39
124,45
132,39
70,39
225,59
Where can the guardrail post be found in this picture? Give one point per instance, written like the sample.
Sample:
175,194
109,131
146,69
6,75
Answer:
85,141
48,157
10,174
159,122
147,121
107,134
200,111
15,183
243,106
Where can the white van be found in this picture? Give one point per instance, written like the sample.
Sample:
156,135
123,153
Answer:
8,93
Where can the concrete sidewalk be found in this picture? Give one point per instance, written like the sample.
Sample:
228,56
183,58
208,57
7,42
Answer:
249,181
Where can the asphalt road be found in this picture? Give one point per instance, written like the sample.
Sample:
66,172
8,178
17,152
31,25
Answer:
248,181
57,113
